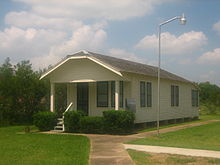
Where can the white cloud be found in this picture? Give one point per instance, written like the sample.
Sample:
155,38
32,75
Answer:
16,42
174,45
212,57
86,37
47,46
44,61
86,9
27,19
216,27
123,54
48,30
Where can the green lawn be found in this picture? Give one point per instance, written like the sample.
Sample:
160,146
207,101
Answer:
144,158
199,137
41,149
201,118
209,117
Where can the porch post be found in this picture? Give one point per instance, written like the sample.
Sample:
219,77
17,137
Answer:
52,97
116,95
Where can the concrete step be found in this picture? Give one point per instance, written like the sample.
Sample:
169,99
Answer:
60,119
56,130
60,123
58,127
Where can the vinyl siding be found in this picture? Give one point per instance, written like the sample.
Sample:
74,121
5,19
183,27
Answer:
85,69
82,69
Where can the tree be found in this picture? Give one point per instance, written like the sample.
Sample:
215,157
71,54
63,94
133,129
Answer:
209,98
6,91
29,91
210,93
21,93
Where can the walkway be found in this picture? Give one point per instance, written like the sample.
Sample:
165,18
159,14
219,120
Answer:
109,149
173,150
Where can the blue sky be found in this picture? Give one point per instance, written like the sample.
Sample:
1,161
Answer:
45,31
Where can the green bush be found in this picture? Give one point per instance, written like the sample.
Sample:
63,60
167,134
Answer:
45,121
90,124
118,122
209,109
72,121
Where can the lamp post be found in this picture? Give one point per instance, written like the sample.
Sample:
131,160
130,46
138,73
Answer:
182,20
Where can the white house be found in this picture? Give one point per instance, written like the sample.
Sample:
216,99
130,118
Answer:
96,83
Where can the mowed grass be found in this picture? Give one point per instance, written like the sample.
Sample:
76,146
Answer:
201,119
200,137
144,158
19,148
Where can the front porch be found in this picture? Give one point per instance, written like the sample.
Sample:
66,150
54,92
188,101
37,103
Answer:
94,97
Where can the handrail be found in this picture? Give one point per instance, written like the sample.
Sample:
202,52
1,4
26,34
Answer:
68,107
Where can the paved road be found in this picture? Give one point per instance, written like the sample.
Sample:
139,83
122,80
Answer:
173,150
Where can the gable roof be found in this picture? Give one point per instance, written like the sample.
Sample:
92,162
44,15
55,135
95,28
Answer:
119,65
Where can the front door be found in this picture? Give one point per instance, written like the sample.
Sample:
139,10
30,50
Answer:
83,97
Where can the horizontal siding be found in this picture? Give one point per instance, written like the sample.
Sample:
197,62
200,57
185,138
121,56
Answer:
132,90
148,114
82,69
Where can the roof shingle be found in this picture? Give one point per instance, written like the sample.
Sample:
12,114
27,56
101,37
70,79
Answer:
129,66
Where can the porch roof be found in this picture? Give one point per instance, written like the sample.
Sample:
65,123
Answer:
119,65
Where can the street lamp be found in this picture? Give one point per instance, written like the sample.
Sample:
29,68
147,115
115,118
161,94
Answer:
182,20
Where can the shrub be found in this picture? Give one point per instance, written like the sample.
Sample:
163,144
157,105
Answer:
118,122
72,121
45,121
90,124
209,109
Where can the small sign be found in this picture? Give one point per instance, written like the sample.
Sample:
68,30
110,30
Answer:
131,104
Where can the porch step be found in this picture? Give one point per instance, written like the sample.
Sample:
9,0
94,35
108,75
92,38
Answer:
60,123
59,126
56,130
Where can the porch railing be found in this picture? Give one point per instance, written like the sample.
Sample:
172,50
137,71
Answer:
67,109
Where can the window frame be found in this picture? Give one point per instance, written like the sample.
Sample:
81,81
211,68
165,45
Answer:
121,94
174,95
195,98
142,94
149,94
112,93
98,94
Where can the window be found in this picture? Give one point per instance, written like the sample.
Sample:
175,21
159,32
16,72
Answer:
102,94
149,94
121,94
174,95
112,93
195,98
142,94
145,94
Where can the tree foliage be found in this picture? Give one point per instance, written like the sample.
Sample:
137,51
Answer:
21,92
209,98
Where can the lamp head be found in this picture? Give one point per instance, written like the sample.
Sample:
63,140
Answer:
182,19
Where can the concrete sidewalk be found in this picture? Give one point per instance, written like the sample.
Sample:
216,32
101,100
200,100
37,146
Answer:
109,149
173,150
